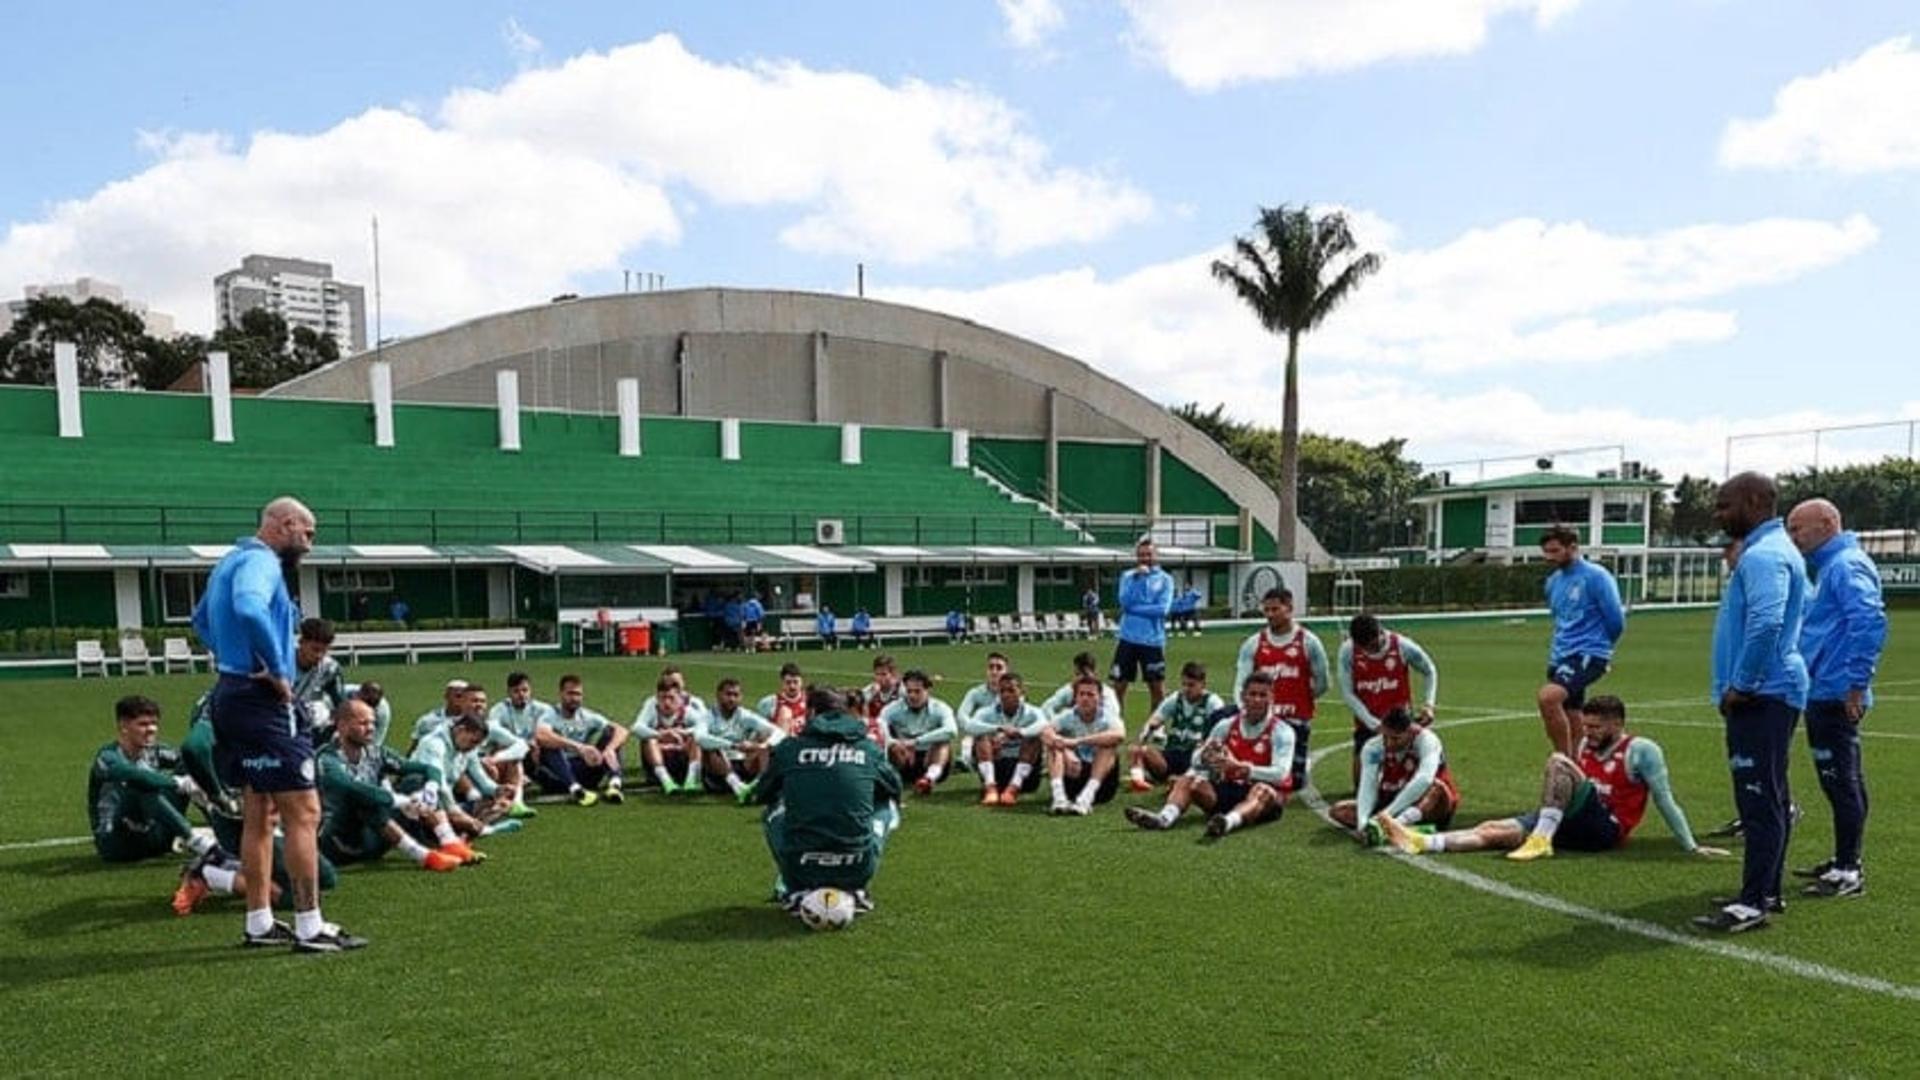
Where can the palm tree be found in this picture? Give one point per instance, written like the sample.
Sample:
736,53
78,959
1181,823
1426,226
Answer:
1293,271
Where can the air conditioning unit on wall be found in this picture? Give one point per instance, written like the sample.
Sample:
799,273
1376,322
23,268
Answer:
829,531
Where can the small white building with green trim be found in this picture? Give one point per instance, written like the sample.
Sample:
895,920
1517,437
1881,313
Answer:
1506,517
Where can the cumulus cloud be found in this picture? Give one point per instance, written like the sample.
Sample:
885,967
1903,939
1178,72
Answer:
1208,44
501,197
1860,116
1518,293
1031,22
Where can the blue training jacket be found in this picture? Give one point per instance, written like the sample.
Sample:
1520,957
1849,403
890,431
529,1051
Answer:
246,616
1846,621
1756,639
1587,615
1145,598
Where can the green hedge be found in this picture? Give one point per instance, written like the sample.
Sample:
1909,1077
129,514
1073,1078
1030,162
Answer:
1438,588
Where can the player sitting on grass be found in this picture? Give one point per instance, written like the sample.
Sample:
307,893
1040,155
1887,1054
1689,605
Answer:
1178,726
666,728
1082,746
1241,774
831,802
920,733
520,714
318,687
1084,665
450,750
1590,802
1403,776
884,690
734,741
787,707
976,699
375,696
1006,743
452,697
580,749
502,753
1375,668
136,800
360,814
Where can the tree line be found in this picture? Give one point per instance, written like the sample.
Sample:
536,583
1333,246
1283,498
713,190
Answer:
114,348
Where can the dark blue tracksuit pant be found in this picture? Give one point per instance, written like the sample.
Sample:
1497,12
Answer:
1835,741
1759,739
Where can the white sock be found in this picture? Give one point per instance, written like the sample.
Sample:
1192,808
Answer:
1437,842
1087,793
412,849
575,789
1020,774
1138,773
613,782
259,920
693,773
966,748
1409,817
219,879
444,833
1549,822
1059,790
933,773
735,784
1233,820
986,773
666,778
307,923
1170,813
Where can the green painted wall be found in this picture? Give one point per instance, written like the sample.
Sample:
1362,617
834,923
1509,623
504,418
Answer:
73,597
1184,491
902,446
29,410
790,443
944,595
846,592
1104,478
1623,534
1529,535
437,427
124,418
1026,459
670,436
1463,523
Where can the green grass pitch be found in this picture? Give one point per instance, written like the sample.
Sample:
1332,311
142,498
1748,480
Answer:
637,939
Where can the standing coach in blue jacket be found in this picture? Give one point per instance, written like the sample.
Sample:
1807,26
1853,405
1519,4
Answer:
1760,685
1845,630
1145,594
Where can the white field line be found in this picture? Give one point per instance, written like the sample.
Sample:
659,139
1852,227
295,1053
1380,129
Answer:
57,841
1803,969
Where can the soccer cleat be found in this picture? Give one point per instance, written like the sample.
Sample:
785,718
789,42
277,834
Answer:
441,862
583,797
1372,835
1836,883
193,889
330,939
501,828
989,796
1817,870
1009,795
522,810
1138,786
1216,827
1534,847
1080,809
1730,830
614,795
862,903
278,934
1775,905
1407,840
458,849
923,786
1732,919
746,793
1145,818
1060,808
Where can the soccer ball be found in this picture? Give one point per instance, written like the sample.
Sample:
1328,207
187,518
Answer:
826,909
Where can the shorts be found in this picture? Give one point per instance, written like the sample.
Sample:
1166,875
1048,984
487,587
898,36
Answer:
1587,825
1178,761
1003,774
257,742
917,768
1575,674
1132,661
1109,784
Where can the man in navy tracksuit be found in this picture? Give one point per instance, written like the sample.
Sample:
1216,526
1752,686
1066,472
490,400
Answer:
1845,630
1760,685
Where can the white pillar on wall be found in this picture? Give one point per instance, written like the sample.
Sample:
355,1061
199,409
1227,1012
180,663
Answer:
309,591
506,384
628,391
730,439
499,592
1023,590
126,597
895,576
66,381
849,444
380,383
962,448
220,390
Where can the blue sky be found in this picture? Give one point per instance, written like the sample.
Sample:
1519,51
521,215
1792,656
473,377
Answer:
1581,247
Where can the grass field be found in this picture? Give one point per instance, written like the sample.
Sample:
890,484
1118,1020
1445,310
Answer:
636,939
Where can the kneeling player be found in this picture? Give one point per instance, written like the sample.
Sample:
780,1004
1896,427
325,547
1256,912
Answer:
1082,747
137,802
1403,771
831,802
580,749
1242,773
734,741
1166,745
919,732
1006,743
667,728
360,816
1590,802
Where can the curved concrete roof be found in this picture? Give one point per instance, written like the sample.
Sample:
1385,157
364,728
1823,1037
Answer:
1106,407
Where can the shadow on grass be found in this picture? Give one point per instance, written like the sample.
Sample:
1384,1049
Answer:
56,866
95,914
1582,944
738,922
34,972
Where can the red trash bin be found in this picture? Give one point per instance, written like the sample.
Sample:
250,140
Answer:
636,638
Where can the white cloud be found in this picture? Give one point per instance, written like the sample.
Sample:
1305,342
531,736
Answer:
1519,293
1031,22
1860,116
520,43
1208,44
497,198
